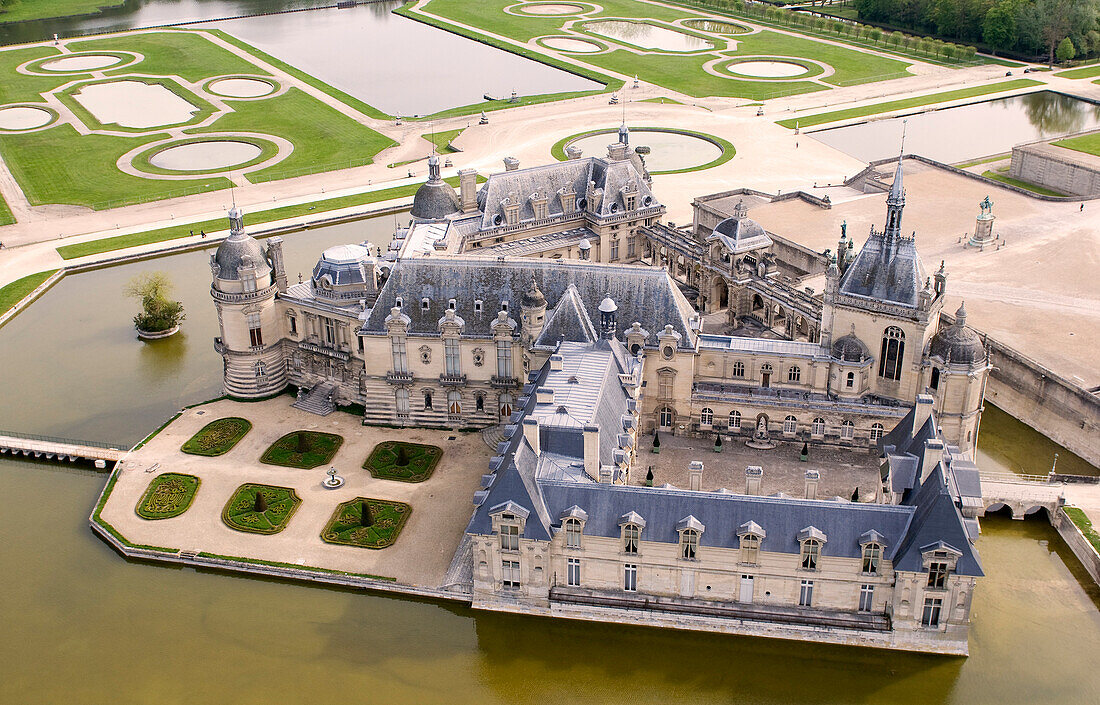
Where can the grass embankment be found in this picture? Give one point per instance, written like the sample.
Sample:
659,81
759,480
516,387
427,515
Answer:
217,437
324,138
1089,144
442,140
1021,184
1082,522
13,293
918,101
6,217
173,232
24,10
189,55
1082,72
303,449
984,160
661,100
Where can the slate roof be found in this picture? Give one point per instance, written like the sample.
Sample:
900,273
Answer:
936,519
957,344
887,269
239,250
343,264
568,320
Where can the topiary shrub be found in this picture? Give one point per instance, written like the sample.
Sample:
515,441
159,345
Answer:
349,523
406,462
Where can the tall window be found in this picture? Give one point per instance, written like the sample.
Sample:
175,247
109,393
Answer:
738,369
893,348
330,330
400,355
615,248
689,544
735,420
293,321
866,597
573,571
664,386
847,431
930,617
260,369
630,246
402,396
504,358
632,535
934,382
794,374
450,356
504,406
479,402
937,575
706,416
811,552
850,382
509,573
790,424
806,593
818,427
665,417
454,402
630,577
509,537
427,401
255,334
572,533
876,432
872,556
750,549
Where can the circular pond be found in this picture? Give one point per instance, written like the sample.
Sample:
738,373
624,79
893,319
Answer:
23,117
669,151
81,62
551,9
767,69
241,87
716,26
210,155
576,46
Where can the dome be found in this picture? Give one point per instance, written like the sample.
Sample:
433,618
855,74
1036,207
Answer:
608,305
343,265
957,344
740,229
850,349
584,244
532,297
435,200
240,250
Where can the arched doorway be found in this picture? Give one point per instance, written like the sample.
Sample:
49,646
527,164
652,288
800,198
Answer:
721,296
766,375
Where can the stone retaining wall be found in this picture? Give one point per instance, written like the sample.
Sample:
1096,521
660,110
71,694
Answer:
1077,543
1057,168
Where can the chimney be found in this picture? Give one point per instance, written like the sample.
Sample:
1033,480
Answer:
812,476
555,363
544,395
695,476
511,163
923,411
467,187
933,454
573,152
616,152
753,475
592,451
531,433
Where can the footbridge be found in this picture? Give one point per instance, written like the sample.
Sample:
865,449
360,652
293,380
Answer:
60,449
1022,494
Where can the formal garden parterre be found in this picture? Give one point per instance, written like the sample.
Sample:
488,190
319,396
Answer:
169,495
366,523
303,449
260,509
406,462
217,437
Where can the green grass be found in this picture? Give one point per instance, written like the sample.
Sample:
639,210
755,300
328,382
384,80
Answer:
728,151
23,10
1082,522
323,138
984,160
169,495
918,101
17,87
1034,188
1082,72
1089,144
6,216
318,449
378,529
661,100
241,511
13,293
189,55
217,437
420,461
118,242
442,140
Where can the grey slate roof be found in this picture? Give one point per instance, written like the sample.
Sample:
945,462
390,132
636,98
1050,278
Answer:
849,348
568,321
888,269
239,250
957,344
343,264
434,200
936,519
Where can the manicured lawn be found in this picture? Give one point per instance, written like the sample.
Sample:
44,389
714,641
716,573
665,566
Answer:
851,66
169,495
876,108
1089,144
323,138
1084,524
269,515
16,87
661,100
303,449
407,462
377,527
1020,184
66,96
22,10
13,293
442,140
6,217
728,151
1083,72
217,437
188,55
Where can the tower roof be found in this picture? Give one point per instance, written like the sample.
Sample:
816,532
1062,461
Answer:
239,250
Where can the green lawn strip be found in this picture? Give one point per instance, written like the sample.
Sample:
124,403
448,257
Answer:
1089,144
984,160
296,566
302,449
1082,522
6,216
366,523
172,232
420,460
1082,72
188,55
18,87
106,525
24,10
245,512
661,100
728,151
918,101
217,437
59,165
368,110
442,140
205,109
324,138
851,66
13,293
1021,184
168,495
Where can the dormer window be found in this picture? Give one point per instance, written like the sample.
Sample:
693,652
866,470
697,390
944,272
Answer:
750,549
452,304
872,557
477,306
572,529
937,574
398,302
504,306
632,536
689,544
425,303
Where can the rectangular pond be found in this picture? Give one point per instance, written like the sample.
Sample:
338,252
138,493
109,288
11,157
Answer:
965,132
647,36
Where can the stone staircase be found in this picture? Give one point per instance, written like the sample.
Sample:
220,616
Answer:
318,400
492,436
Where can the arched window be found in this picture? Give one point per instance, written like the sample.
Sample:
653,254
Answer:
706,416
818,427
934,382
689,544
876,432
766,367
427,401
479,402
750,548
872,556
794,374
632,536
454,402
572,533
665,417
738,369
790,424
811,552
893,348
504,406
735,420
847,431
851,381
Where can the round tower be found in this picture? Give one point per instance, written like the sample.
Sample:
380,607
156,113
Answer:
244,289
956,368
533,308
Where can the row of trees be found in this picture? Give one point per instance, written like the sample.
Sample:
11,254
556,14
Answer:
1033,27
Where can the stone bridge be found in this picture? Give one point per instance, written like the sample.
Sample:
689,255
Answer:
1022,494
61,449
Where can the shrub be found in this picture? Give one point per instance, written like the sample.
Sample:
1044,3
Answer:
158,312
366,523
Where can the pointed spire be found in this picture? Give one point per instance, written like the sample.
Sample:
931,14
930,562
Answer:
960,315
895,202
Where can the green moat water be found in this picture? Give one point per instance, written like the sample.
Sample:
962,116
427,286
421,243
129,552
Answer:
82,625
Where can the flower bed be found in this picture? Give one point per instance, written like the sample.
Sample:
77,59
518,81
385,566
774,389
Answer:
303,449
168,495
260,509
379,529
406,462
217,437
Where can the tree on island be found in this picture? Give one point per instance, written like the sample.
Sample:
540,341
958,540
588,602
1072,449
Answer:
159,313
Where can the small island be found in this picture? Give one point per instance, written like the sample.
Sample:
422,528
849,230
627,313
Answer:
160,316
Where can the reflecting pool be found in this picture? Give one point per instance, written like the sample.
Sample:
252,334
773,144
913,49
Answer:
647,36
670,151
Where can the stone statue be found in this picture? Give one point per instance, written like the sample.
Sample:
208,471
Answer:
986,206
844,228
